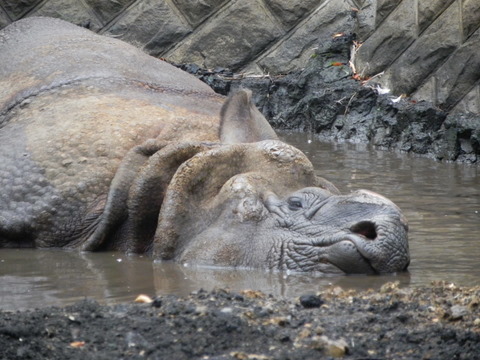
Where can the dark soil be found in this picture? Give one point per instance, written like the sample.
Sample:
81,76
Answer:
437,322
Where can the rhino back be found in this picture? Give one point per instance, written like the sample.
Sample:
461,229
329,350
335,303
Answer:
72,104
38,54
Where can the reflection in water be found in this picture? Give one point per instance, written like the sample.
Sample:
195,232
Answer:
34,278
441,201
188,279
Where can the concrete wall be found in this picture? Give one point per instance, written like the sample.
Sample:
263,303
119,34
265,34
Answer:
429,49
262,35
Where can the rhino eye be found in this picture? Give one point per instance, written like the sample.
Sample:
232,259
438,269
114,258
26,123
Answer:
294,203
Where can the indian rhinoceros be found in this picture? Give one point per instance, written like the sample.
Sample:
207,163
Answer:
103,147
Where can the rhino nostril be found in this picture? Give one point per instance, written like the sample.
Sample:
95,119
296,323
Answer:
365,228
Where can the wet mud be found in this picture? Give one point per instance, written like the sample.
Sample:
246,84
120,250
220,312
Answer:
441,321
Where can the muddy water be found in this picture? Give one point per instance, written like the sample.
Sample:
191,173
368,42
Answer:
441,201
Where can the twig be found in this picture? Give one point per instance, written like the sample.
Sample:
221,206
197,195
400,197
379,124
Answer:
350,102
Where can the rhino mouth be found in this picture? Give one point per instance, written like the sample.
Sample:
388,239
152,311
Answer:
344,253
372,242
363,248
352,262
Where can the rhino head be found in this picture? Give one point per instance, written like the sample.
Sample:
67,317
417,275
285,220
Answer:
252,201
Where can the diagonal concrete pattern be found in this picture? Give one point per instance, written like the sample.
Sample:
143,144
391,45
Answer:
427,49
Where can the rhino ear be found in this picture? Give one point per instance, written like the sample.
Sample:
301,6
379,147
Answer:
241,122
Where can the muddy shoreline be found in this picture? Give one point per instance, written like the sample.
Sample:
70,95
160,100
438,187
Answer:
441,321
328,99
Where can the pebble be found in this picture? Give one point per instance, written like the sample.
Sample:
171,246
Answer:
333,348
311,301
157,302
474,303
201,310
458,312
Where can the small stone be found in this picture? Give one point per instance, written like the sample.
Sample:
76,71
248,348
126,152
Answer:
253,294
337,291
474,303
283,337
403,318
279,321
337,348
304,333
157,302
458,312
311,301
67,162
389,287
261,312
451,286
244,356
333,348
238,297
201,310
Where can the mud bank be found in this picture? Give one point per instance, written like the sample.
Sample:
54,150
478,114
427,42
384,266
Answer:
437,322
329,99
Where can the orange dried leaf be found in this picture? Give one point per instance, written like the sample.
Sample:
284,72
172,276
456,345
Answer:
337,63
253,294
77,344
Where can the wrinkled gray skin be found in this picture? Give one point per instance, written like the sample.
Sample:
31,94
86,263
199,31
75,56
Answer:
103,147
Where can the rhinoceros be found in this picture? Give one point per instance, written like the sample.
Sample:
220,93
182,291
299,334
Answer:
103,147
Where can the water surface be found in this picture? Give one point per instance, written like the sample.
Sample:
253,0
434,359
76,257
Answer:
440,200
